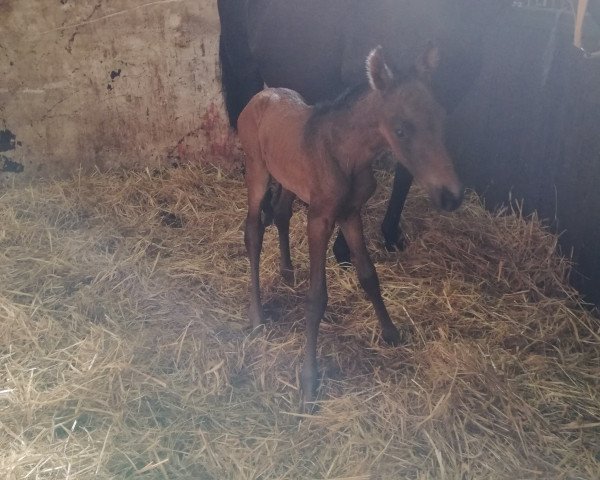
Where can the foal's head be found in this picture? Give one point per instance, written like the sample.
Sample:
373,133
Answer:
412,124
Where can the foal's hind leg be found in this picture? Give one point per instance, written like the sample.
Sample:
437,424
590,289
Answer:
282,214
257,180
367,275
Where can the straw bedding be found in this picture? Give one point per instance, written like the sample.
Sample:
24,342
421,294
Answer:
125,350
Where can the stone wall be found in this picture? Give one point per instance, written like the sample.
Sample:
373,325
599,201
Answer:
107,84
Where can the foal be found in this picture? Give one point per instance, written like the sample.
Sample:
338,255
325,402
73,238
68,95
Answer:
323,155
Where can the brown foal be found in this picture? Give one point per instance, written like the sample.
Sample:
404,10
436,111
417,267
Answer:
324,155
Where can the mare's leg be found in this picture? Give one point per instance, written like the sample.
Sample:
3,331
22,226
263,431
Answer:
390,227
367,275
282,213
340,249
257,180
320,228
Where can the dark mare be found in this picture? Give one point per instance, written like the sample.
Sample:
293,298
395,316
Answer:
317,48
324,156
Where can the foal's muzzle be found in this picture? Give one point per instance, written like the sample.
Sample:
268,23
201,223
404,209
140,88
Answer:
448,200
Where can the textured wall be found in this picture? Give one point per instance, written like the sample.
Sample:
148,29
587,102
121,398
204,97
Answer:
107,83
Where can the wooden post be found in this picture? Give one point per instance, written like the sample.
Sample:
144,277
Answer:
581,9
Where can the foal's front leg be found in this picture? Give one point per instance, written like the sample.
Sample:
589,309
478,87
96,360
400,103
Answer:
367,275
320,228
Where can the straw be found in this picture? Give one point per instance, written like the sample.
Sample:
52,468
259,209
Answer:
125,350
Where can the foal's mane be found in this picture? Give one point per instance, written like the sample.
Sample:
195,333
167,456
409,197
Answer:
344,102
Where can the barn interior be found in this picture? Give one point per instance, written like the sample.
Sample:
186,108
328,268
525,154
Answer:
125,349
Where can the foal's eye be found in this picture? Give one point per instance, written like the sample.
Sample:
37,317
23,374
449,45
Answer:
400,132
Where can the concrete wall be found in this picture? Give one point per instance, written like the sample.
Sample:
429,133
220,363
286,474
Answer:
107,83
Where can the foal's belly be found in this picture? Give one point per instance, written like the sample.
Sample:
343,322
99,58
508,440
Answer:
283,149
292,175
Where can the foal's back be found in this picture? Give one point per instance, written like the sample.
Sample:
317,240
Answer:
271,129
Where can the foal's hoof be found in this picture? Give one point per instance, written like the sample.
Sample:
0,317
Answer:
257,318
393,238
307,404
308,390
393,336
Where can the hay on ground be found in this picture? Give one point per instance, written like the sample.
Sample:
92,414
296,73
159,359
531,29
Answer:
125,350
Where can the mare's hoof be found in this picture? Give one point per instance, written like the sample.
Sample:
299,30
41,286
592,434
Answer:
345,264
342,258
396,244
393,336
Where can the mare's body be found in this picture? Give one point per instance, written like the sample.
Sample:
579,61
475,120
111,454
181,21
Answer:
318,48
324,156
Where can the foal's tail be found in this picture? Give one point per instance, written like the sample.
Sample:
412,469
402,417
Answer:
239,72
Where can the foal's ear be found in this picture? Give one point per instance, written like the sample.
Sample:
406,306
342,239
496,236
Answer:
428,62
380,76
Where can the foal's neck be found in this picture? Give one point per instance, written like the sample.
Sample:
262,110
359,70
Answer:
355,139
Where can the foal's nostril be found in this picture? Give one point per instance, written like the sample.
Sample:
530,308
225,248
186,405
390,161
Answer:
450,201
